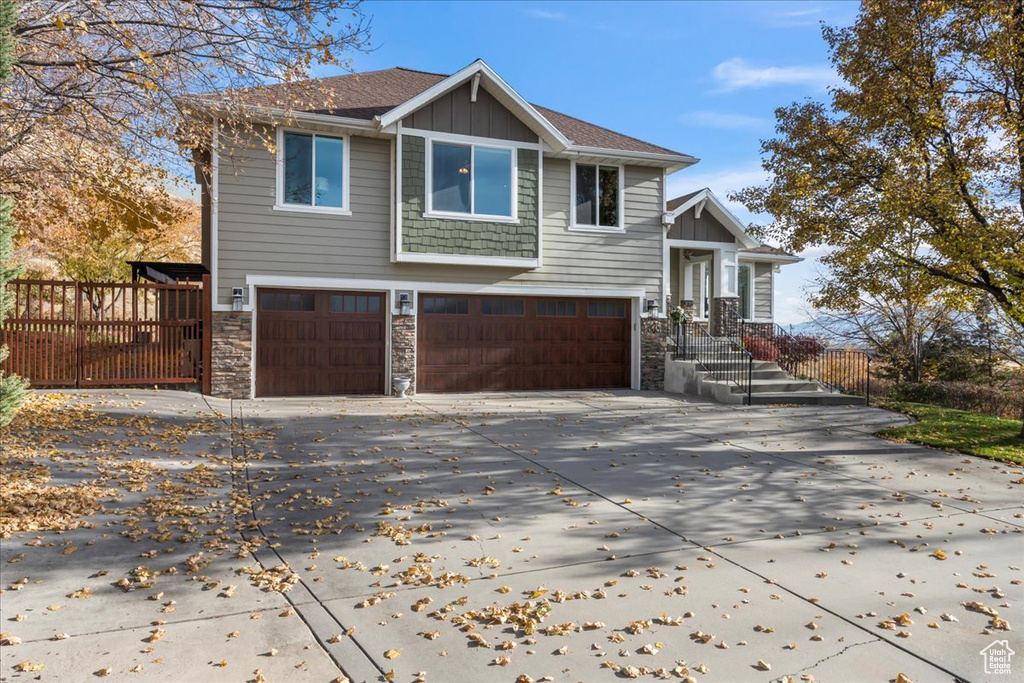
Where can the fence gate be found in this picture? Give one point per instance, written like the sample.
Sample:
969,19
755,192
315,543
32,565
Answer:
84,334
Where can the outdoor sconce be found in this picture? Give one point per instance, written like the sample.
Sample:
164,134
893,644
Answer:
404,303
236,298
652,308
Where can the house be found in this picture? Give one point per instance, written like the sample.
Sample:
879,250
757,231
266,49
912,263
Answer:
441,228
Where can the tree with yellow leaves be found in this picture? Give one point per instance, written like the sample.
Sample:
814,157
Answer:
917,162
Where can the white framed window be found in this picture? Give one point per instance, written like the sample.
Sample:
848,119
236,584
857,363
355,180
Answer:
312,172
597,197
471,181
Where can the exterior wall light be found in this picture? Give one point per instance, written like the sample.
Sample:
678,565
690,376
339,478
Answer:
404,303
237,296
652,308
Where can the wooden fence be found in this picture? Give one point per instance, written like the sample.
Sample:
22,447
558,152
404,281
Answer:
86,334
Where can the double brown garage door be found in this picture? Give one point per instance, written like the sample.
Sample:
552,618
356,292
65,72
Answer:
319,343
476,343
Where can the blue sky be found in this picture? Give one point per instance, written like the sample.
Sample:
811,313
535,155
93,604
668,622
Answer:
702,78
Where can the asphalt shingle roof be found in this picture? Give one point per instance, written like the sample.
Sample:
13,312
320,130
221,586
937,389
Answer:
373,93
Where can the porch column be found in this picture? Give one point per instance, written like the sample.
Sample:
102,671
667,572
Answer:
725,302
686,299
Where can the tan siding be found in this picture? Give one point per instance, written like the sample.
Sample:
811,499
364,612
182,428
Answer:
453,112
254,239
763,291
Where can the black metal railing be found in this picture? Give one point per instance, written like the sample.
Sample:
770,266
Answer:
723,359
836,370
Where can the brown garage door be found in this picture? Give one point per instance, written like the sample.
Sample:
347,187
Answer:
319,343
475,343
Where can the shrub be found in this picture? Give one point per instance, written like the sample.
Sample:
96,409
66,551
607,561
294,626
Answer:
798,348
761,348
976,398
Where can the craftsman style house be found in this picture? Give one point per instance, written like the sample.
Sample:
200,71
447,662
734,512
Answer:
441,228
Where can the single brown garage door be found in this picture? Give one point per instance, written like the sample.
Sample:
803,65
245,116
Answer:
475,343
319,343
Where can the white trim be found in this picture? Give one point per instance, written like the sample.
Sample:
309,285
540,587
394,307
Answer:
428,181
469,139
547,131
698,244
673,162
770,258
396,205
707,199
583,227
467,260
540,208
301,208
346,178
252,341
301,282
393,231
478,217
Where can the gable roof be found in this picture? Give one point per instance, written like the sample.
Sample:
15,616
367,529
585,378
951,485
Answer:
385,95
512,101
705,198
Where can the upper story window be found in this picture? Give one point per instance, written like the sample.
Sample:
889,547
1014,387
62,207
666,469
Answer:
597,195
312,172
468,180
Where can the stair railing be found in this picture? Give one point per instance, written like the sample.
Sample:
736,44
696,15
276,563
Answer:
836,370
723,359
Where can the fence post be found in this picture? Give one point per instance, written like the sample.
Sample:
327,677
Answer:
77,335
868,400
205,359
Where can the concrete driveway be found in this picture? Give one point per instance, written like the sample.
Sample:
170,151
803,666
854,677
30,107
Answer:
565,537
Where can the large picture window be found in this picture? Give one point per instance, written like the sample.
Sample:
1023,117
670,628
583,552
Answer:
312,172
597,191
471,179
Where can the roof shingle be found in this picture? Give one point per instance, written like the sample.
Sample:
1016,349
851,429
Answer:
373,93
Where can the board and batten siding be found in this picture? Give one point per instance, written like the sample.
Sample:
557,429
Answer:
454,112
707,228
255,239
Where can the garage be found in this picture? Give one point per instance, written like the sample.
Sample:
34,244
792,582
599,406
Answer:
318,343
508,343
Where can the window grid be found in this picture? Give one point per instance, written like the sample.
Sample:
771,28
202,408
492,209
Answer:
606,309
560,309
446,305
502,307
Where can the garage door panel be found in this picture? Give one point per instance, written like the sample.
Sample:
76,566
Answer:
319,343
352,332
550,333
469,343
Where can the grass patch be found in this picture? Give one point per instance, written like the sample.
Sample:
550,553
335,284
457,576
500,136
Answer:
957,430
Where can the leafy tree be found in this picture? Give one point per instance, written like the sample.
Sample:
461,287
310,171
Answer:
117,75
917,161
12,387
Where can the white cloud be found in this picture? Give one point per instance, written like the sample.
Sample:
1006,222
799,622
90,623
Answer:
736,74
546,14
714,119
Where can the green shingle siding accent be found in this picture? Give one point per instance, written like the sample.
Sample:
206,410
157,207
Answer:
472,238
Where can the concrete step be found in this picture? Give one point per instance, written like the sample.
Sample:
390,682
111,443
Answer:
772,386
807,398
